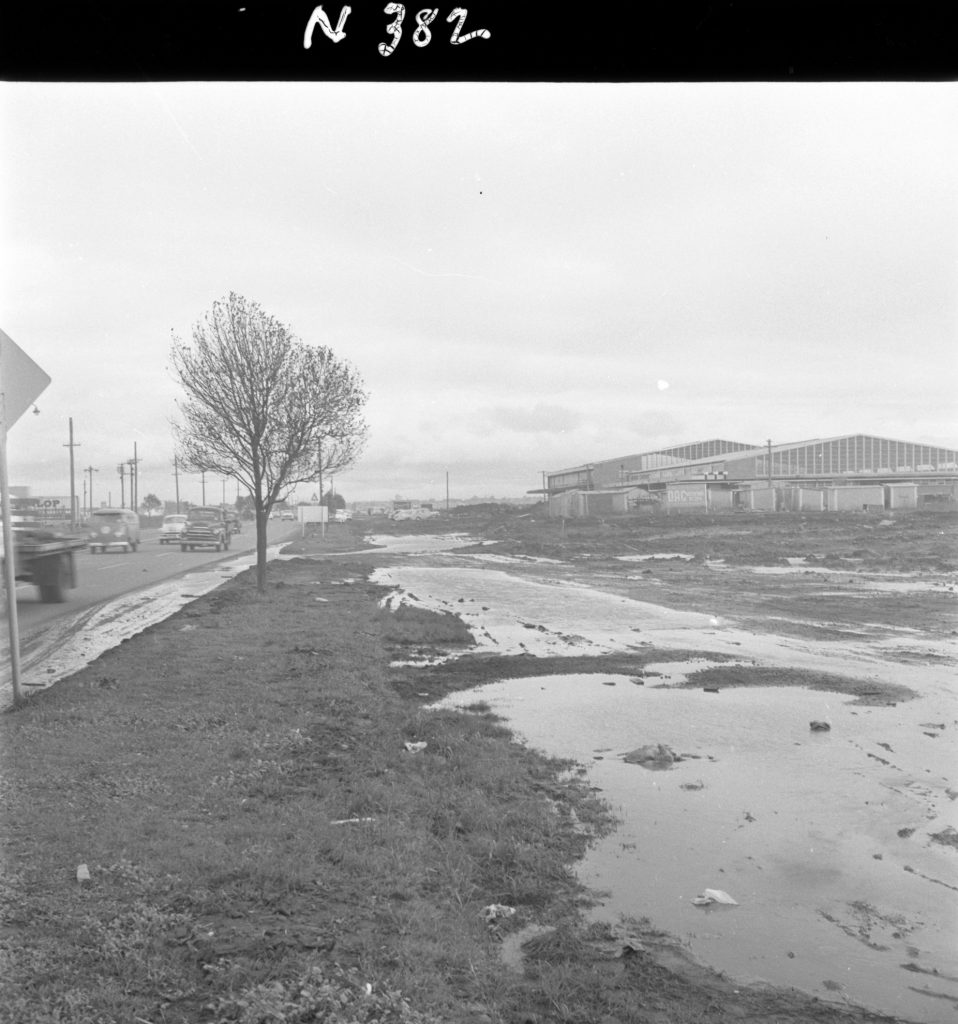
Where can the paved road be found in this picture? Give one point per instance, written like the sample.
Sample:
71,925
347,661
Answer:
103,577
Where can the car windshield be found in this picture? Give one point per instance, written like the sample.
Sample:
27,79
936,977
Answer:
107,515
175,519
203,515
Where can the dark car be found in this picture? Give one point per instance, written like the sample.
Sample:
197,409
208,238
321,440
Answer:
206,526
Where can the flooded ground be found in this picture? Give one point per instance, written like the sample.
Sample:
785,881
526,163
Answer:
837,843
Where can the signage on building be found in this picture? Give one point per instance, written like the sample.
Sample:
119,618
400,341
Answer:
39,507
691,495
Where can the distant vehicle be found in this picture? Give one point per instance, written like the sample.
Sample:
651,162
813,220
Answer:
342,515
287,513
233,521
206,526
171,529
113,528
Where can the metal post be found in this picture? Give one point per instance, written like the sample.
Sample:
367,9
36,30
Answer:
203,484
121,469
447,490
319,466
9,573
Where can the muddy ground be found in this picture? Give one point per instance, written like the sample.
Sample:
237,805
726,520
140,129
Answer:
857,606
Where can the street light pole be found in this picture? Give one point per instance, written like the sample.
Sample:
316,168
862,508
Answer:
121,469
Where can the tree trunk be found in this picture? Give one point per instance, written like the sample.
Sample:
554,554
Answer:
261,521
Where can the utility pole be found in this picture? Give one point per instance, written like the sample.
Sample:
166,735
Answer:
73,501
121,469
203,484
224,492
90,470
176,477
132,463
447,490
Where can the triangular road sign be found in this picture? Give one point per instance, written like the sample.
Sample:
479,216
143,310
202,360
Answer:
21,380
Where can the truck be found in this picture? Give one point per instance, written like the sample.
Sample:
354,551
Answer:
43,555
206,526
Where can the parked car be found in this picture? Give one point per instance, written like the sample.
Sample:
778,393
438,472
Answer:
206,526
342,515
287,513
113,528
171,529
233,520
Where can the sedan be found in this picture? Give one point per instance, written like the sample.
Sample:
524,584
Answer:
171,529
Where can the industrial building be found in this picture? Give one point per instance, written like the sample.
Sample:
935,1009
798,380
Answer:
855,472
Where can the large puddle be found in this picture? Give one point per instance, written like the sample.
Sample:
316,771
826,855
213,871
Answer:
825,838
822,838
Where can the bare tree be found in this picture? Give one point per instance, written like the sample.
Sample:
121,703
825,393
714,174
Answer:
260,404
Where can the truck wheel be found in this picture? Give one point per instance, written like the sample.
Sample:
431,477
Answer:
219,544
54,591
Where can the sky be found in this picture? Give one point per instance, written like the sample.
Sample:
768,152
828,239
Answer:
527,276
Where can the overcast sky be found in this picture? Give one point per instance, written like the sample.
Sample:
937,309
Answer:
527,276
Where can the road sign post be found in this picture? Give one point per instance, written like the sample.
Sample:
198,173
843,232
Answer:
21,382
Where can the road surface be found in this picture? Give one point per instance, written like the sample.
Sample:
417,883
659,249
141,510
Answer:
118,594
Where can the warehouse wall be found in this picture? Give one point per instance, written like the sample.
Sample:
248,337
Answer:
854,499
720,500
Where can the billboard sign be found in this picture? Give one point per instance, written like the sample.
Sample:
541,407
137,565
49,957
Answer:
688,496
49,507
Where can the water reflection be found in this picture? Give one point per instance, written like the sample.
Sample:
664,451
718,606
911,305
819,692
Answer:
800,827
